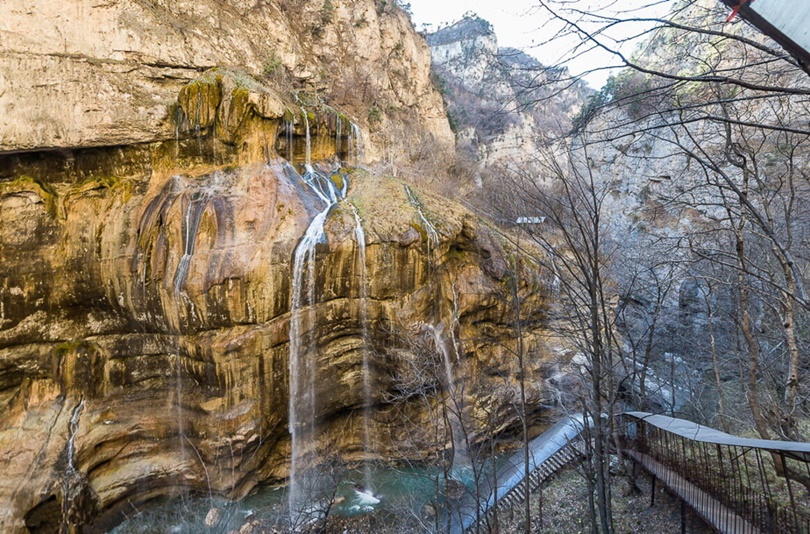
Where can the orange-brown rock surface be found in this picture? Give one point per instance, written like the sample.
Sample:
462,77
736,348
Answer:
182,381
146,265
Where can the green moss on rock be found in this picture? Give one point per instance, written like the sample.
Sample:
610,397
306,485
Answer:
26,183
200,99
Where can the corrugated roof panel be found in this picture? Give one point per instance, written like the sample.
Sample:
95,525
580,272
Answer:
696,432
790,17
785,21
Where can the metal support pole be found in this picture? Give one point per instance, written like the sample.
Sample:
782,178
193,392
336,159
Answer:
539,507
790,492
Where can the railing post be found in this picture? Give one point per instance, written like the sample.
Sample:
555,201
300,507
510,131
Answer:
736,496
766,521
539,507
639,437
634,472
790,492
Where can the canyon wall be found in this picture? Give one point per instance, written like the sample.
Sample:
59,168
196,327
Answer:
81,73
505,106
151,200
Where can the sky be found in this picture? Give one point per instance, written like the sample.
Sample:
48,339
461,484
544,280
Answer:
520,24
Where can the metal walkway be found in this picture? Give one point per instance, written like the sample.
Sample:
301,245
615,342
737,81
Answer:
548,453
737,485
706,506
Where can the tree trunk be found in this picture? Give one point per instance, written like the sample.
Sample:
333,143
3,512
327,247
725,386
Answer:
788,420
751,344
721,396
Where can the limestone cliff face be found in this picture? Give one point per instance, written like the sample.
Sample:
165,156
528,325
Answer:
504,104
127,375
82,73
145,281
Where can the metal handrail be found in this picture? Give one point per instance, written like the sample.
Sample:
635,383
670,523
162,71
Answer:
547,453
736,484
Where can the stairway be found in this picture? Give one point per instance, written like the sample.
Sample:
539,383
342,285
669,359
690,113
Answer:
548,454
570,454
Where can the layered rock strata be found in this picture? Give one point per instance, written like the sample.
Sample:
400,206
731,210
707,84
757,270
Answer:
82,73
128,373
147,228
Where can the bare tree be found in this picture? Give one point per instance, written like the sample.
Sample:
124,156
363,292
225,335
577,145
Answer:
723,103
572,245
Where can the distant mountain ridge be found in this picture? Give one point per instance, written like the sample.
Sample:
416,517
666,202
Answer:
503,103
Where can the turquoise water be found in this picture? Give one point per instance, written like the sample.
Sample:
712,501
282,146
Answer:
399,490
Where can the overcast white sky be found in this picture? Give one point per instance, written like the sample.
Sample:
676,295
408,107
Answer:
520,24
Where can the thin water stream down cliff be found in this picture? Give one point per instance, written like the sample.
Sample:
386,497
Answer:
368,442
206,291
228,328
307,490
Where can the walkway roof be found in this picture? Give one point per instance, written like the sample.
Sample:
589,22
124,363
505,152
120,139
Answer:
785,21
793,449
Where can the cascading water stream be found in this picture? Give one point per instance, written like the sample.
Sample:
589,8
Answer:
338,132
355,145
302,373
191,224
304,490
178,406
430,230
73,427
320,184
178,121
290,143
308,154
461,458
197,203
360,238
70,481
454,403
303,494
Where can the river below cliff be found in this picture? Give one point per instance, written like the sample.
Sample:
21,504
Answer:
399,495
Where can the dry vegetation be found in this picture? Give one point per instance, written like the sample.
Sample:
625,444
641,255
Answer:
565,508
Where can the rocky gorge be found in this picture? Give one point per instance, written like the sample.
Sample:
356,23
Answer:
506,107
162,165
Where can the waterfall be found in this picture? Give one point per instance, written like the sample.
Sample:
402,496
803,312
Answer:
308,156
430,230
179,117
290,143
360,238
461,458
338,128
73,427
191,224
344,190
355,145
348,138
72,479
321,184
178,391
302,372
303,498
307,496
